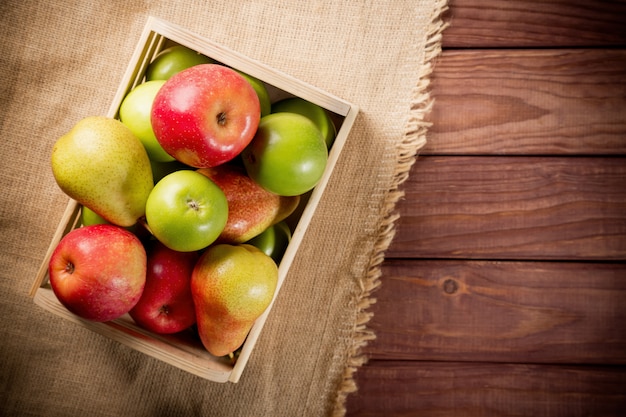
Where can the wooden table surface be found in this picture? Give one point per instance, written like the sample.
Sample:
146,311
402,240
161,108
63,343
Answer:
504,290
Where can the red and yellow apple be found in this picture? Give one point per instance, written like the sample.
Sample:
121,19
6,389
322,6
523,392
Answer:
205,115
98,272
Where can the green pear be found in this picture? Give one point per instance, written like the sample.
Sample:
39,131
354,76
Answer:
231,286
103,166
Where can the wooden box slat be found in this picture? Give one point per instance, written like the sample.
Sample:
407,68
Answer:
432,389
547,208
497,311
535,23
529,102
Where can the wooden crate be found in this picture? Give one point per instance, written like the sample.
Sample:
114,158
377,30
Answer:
184,350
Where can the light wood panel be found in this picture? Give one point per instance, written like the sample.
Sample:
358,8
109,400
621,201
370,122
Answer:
535,23
427,389
529,102
513,208
488,311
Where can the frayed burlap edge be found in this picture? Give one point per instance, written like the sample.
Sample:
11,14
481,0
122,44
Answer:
414,139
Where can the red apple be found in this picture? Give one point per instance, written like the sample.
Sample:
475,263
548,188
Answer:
98,272
205,115
166,305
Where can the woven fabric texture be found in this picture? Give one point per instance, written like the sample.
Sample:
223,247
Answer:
63,60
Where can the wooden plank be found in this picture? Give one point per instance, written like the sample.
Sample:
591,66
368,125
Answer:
513,208
521,312
529,102
426,389
535,23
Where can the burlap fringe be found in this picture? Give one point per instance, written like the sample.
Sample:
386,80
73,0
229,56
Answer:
414,139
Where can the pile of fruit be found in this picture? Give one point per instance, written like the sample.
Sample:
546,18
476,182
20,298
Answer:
184,200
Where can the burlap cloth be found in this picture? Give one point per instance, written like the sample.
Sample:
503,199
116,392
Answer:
62,60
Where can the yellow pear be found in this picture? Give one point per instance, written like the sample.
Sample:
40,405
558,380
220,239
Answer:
103,166
231,285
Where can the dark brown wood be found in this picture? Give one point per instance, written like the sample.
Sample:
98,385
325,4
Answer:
535,23
513,208
519,312
426,389
529,102
503,291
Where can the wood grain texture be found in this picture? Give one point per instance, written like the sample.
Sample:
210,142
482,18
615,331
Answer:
535,23
503,291
529,102
427,389
519,312
513,208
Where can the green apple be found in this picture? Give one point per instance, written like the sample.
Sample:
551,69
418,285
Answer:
287,155
173,60
273,241
135,114
89,217
161,169
186,211
317,114
261,91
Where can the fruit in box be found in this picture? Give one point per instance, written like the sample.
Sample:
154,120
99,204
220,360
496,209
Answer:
273,241
161,169
264,97
173,60
251,208
315,113
89,217
288,154
186,211
102,165
98,272
205,115
166,305
232,285
135,113
175,349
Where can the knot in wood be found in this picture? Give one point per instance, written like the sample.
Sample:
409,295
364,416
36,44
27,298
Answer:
450,286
